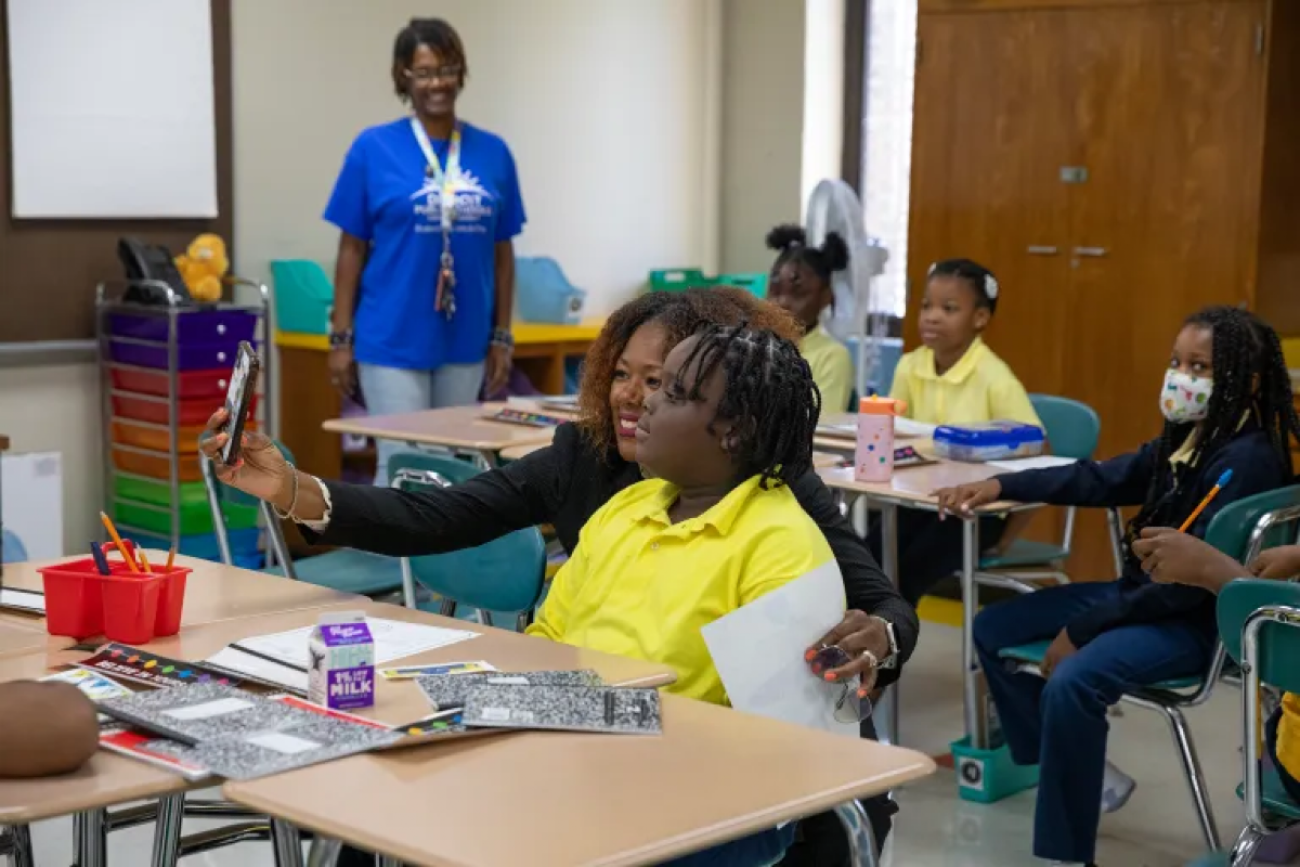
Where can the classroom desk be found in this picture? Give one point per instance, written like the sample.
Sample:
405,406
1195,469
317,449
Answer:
18,637
462,428
713,775
540,352
213,592
913,488
111,780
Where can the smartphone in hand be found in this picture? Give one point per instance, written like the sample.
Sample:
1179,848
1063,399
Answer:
243,382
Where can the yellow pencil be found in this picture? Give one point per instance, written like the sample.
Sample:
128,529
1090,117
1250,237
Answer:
171,558
144,562
117,540
1214,492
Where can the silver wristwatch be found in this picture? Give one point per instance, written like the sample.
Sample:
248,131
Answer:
891,660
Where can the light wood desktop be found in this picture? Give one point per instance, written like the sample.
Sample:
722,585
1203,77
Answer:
213,592
456,427
110,780
18,637
559,799
915,486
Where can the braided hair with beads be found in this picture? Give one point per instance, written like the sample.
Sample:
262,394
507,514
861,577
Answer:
1250,378
770,398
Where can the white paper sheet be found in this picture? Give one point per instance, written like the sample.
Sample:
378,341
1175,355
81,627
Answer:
1040,462
758,651
394,639
22,600
905,427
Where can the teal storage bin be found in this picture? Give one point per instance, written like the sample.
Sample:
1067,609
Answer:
303,295
755,284
986,776
681,279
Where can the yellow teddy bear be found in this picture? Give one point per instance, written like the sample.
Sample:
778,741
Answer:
202,265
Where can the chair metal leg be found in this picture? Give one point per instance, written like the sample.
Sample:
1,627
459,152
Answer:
857,827
1195,777
485,617
17,844
324,852
1244,849
1006,582
448,608
89,839
287,844
167,833
385,861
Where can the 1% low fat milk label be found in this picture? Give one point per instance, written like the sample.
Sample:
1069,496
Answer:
341,664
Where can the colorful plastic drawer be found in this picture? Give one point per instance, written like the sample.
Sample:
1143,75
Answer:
194,518
192,356
158,493
191,385
156,437
157,466
189,411
243,545
200,326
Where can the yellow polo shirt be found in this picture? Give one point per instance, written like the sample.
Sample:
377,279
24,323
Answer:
1288,735
978,388
640,586
832,368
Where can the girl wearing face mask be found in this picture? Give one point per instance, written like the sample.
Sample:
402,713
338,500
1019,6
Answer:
1227,403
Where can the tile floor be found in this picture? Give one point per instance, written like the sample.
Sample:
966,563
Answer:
935,829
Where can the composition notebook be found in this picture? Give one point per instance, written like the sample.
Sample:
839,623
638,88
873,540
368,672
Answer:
241,736
446,691
604,709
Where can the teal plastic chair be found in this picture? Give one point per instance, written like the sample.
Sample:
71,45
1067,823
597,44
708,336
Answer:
344,569
1260,624
505,575
1072,430
1241,530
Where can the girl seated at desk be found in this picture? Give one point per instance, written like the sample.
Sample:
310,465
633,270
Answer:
589,462
1227,403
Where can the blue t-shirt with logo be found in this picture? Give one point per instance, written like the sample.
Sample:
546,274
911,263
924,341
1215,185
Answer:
384,196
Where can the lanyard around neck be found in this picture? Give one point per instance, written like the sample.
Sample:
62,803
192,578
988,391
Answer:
446,180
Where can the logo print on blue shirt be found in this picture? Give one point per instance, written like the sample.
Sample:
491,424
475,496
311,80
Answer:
473,203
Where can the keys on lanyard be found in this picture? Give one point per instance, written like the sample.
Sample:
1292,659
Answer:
445,295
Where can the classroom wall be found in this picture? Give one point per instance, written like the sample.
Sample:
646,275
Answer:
762,126
600,102
617,180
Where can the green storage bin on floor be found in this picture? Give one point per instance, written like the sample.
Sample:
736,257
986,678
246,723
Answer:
989,775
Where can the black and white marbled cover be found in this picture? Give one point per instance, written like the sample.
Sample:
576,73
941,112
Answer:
604,709
446,691
241,736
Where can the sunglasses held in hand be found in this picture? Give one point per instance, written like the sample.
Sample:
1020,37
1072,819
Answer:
853,705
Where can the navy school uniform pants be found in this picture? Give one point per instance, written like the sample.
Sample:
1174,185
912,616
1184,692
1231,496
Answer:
1060,724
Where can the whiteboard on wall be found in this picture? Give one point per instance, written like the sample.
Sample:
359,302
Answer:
112,109
31,489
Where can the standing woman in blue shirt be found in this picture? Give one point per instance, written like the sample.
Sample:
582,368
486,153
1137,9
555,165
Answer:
427,208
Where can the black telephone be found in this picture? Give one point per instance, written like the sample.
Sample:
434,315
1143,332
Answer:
149,262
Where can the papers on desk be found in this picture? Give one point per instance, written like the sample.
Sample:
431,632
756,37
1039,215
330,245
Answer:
1040,462
281,658
759,651
906,427
31,601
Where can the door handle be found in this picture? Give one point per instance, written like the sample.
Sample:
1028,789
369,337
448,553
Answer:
1035,250
1091,252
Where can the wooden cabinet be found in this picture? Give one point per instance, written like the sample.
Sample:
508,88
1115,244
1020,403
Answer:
1118,167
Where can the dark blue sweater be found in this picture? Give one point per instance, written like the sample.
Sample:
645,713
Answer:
1123,481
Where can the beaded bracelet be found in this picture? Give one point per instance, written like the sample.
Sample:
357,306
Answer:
287,515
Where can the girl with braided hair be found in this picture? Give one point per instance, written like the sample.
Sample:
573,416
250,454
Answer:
714,528
1227,403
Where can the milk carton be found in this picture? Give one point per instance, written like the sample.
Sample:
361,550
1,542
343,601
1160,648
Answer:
341,662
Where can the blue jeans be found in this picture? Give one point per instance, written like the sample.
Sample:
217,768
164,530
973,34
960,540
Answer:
1060,724
756,850
390,390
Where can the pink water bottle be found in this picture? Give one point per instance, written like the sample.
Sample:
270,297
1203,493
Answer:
874,459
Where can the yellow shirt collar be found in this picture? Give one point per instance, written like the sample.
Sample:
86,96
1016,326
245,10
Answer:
964,367
720,517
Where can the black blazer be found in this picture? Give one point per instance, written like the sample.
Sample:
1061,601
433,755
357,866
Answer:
563,485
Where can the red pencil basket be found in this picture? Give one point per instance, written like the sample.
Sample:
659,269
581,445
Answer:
133,608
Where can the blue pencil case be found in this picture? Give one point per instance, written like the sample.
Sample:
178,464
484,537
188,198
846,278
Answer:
988,441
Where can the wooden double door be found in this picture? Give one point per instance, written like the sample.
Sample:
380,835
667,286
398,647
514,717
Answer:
1104,161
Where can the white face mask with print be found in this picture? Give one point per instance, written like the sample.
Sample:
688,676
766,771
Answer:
1185,398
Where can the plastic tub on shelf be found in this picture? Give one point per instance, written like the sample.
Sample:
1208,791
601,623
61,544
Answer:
193,384
197,326
152,409
192,356
156,465
244,544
